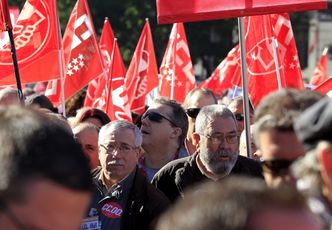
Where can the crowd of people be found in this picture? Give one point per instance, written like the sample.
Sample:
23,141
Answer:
178,166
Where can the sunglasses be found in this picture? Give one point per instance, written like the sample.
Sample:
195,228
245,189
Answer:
276,167
156,117
239,117
193,112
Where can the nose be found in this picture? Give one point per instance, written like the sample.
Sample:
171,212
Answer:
144,120
115,153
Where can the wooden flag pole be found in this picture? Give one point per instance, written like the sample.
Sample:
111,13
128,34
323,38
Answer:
244,84
17,73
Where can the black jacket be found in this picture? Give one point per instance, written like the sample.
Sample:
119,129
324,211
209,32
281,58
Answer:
180,174
144,203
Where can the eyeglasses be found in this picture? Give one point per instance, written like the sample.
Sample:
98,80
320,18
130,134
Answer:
156,117
193,112
217,139
276,167
239,117
122,147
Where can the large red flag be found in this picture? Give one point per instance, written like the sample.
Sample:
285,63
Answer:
97,86
221,78
142,74
290,64
81,51
177,64
37,42
5,22
262,75
325,87
320,71
81,54
118,106
170,11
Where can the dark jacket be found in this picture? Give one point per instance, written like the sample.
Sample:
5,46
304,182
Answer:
144,203
180,174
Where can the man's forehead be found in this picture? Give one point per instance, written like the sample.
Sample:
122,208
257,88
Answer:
199,99
221,125
160,107
125,134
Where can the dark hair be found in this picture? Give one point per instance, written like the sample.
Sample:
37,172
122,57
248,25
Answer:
32,147
228,205
178,116
286,102
42,101
87,112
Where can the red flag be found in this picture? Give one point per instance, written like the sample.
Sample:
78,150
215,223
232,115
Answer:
118,106
53,90
325,87
81,51
221,78
320,70
106,44
177,64
262,76
96,86
5,22
14,12
142,74
289,64
37,43
170,11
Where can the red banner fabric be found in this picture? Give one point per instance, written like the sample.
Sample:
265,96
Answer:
171,11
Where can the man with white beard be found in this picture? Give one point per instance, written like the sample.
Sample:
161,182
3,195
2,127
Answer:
217,139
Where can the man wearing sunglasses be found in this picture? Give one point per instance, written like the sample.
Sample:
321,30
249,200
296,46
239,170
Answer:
164,128
217,155
236,106
123,199
279,147
194,101
274,133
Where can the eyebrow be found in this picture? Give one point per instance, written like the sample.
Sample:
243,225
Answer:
230,132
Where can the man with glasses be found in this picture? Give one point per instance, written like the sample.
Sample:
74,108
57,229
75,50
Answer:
164,128
123,199
194,101
274,133
217,155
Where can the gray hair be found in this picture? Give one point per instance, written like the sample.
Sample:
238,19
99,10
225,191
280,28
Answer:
209,113
114,126
308,170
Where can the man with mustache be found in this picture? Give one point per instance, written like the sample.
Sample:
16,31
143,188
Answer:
123,199
217,156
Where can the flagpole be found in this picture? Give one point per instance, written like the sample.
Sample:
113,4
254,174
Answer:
276,62
61,63
17,73
244,83
174,57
